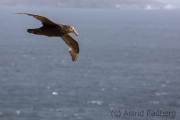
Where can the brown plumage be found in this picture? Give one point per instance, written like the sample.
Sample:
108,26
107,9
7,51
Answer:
52,29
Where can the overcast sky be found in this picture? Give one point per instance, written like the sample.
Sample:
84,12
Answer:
173,2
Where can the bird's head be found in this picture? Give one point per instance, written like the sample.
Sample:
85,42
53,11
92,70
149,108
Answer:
72,30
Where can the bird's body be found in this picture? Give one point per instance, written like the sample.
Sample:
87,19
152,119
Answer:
52,29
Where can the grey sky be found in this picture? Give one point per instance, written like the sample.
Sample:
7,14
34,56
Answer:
173,2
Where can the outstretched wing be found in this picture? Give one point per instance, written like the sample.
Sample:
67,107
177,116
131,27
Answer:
43,19
73,46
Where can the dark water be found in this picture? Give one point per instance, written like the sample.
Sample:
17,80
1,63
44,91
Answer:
128,61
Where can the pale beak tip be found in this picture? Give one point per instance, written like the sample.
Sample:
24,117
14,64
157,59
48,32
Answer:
76,33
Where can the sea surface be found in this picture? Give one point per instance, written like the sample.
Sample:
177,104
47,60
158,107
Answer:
128,66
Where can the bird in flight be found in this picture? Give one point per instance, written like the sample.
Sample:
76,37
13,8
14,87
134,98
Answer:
52,29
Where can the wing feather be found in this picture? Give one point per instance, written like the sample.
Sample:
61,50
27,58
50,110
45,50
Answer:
73,46
43,19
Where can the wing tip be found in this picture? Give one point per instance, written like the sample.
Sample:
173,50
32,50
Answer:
17,13
74,59
23,13
74,55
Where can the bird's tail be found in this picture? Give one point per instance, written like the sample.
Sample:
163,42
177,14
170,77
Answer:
37,31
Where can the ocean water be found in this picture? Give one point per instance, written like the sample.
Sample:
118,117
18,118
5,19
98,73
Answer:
129,63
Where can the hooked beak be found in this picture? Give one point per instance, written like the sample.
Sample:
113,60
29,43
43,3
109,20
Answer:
75,32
